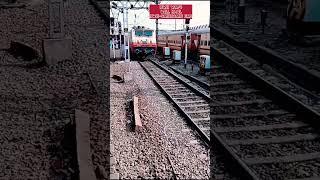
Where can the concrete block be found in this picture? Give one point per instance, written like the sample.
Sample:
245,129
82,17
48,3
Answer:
82,120
127,77
56,50
114,176
112,161
137,119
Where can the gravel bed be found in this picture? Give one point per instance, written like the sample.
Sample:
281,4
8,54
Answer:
62,87
272,150
293,170
90,51
253,121
146,153
26,84
36,146
26,25
266,134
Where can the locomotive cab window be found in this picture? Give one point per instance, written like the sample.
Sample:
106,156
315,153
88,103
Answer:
147,33
138,33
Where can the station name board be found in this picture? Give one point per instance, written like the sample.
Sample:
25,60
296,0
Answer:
170,11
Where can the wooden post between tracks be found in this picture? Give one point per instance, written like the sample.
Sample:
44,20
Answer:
82,122
137,120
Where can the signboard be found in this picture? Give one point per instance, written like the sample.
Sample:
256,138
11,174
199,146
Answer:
170,11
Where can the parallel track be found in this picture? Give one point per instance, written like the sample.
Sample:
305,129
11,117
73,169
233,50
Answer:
265,131
193,104
191,78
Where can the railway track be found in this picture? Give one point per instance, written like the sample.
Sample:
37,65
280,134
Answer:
191,102
259,121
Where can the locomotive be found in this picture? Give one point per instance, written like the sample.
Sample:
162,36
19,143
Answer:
142,42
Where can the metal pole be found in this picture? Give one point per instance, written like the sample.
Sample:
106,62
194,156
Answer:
186,49
127,17
157,2
124,37
121,53
113,48
186,42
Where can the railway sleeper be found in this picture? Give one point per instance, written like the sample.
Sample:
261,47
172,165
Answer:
218,99
235,87
199,107
182,95
168,78
185,90
224,79
282,159
186,103
254,121
198,111
187,99
195,105
175,88
274,140
227,83
260,128
241,103
268,114
249,108
201,119
199,114
235,92
165,83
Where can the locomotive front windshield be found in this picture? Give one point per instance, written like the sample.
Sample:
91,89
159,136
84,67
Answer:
143,33
147,33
